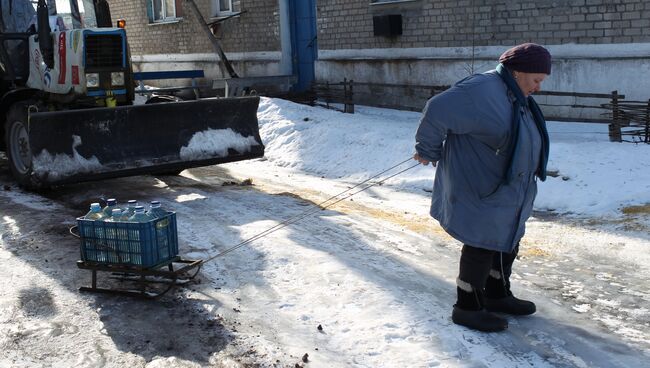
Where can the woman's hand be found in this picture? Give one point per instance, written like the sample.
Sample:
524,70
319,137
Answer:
423,161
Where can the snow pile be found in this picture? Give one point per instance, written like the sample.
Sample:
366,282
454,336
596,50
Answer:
336,145
211,142
62,165
592,176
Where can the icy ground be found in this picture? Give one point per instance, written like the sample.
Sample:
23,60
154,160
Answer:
373,271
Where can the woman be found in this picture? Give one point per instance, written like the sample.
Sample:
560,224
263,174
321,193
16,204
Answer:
489,140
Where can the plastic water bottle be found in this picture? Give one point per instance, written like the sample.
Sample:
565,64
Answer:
139,215
94,233
130,209
111,230
110,205
117,238
116,215
110,244
162,228
95,212
156,211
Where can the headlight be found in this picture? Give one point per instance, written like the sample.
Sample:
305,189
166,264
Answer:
92,80
117,79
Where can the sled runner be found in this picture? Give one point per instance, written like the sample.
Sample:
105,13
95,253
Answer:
150,283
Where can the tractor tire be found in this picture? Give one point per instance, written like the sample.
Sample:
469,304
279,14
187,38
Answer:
17,147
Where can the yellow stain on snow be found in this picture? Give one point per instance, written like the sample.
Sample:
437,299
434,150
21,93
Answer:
422,224
533,251
637,210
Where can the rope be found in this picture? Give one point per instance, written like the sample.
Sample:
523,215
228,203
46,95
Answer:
71,230
319,206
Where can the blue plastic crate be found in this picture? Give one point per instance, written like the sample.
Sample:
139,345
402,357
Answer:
142,244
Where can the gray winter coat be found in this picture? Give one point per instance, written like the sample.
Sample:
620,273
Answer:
467,129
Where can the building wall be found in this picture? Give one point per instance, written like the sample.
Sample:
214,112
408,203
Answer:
348,24
255,30
252,38
598,46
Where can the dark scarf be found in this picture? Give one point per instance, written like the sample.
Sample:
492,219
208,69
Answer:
521,101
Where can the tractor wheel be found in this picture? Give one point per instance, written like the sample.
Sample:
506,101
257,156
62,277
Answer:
17,146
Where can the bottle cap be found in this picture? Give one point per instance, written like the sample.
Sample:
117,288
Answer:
116,212
111,202
94,206
155,203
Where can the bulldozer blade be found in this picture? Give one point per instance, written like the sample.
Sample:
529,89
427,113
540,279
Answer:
97,143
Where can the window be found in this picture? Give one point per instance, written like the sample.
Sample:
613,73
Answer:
225,6
74,14
160,11
221,8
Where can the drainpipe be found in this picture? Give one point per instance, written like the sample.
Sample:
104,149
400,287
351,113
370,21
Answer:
286,64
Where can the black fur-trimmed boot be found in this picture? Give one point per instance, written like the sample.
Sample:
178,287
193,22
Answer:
498,297
469,312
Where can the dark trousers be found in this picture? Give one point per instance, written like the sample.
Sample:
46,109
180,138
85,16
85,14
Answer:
476,263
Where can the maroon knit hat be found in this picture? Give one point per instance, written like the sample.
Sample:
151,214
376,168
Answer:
527,58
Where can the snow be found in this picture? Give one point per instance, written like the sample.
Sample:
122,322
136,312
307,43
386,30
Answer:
61,165
216,142
331,144
206,144
374,271
595,177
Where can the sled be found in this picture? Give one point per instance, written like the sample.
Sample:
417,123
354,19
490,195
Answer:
148,283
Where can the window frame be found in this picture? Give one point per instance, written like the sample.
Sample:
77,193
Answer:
217,13
166,18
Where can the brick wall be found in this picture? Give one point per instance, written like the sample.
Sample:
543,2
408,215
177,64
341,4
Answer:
255,30
347,24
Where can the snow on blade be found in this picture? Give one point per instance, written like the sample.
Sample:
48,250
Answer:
216,142
61,165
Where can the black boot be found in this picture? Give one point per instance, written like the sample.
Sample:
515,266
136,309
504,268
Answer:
469,312
499,298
